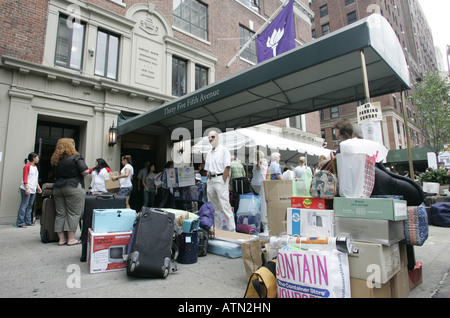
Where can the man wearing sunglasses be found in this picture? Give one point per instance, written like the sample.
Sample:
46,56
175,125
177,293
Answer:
217,164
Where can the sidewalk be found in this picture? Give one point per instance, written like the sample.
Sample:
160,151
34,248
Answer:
31,269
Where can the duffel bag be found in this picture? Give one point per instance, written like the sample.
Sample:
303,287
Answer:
440,214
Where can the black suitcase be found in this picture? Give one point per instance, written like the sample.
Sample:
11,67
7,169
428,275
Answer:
152,250
99,201
203,239
48,216
241,185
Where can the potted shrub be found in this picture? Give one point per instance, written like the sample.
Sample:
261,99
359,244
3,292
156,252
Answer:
435,181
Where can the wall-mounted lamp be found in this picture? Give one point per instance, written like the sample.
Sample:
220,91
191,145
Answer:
112,136
91,52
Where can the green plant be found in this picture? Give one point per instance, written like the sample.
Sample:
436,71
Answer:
438,175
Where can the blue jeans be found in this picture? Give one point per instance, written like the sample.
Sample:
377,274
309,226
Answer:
149,196
166,197
25,209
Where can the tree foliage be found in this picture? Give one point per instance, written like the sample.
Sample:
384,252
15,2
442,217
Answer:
431,97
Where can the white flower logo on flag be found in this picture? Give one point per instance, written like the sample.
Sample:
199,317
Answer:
272,41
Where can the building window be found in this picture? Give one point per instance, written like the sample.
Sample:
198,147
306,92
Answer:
333,134
250,51
179,76
349,2
253,5
69,43
334,112
296,122
191,16
325,29
107,55
323,11
351,17
201,76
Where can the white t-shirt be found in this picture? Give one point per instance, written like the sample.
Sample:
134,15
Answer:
259,175
298,171
217,160
126,182
98,180
30,177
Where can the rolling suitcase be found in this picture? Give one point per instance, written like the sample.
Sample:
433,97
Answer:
100,201
48,216
241,185
152,250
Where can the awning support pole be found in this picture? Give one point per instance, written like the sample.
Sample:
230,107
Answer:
366,78
408,140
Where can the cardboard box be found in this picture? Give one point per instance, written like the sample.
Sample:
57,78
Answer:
371,208
374,231
233,237
310,222
277,198
374,262
110,185
278,190
107,251
360,289
311,203
400,284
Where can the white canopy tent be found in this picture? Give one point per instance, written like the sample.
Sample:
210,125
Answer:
243,143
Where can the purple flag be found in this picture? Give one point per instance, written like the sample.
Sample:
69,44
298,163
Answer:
279,36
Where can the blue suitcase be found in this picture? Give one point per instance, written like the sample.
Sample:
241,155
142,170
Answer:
113,220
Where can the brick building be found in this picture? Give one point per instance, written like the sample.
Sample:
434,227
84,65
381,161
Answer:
410,25
71,68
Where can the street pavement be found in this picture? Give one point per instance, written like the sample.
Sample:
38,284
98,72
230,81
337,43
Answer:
32,269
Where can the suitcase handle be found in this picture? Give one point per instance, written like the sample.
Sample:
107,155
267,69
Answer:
105,197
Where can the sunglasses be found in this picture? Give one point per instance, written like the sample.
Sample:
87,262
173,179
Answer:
211,137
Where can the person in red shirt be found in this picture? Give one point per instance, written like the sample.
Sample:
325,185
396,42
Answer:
28,189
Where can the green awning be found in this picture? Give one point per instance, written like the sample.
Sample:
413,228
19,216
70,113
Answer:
401,155
324,73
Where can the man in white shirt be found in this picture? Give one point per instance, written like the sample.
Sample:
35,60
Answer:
217,164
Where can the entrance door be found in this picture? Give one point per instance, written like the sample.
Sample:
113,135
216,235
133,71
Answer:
47,135
45,151
138,157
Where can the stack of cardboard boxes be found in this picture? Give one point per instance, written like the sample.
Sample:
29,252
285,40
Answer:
380,268
108,239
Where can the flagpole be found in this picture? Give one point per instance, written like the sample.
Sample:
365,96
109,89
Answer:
258,32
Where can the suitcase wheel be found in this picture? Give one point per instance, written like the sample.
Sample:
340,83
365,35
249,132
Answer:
165,268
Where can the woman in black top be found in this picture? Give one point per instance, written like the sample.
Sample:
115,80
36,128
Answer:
68,189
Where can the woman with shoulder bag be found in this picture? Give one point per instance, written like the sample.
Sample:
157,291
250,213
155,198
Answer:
68,189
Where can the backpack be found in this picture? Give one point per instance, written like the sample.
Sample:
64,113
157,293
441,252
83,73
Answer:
263,282
324,183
